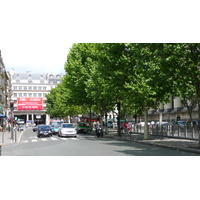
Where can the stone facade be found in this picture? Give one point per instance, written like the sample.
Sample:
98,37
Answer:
30,84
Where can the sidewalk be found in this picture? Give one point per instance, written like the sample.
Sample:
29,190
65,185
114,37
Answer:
5,137
172,143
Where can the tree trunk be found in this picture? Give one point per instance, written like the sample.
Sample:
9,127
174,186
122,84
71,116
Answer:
146,127
160,120
118,120
90,117
106,126
199,121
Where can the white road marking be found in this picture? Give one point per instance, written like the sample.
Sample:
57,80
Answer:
54,138
64,138
48,139
44,139
73,138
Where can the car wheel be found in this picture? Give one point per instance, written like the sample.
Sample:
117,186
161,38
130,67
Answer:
38,136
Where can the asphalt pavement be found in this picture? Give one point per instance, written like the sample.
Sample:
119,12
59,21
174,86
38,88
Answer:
172,143
187,145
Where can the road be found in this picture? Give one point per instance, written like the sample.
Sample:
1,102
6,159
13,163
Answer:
83,145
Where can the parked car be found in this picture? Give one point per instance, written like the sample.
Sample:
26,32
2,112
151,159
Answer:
110,124
163,123
181,123
143,123
44,130
67,129
83,128
55,128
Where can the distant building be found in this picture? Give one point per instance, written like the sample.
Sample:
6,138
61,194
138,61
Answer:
29,88
173,111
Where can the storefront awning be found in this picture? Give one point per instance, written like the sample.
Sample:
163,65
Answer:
2,116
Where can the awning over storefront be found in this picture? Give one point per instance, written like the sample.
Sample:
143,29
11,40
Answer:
2,116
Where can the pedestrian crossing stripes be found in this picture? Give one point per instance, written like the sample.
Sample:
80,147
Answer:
36,139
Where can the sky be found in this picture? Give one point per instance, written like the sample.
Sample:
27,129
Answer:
36,35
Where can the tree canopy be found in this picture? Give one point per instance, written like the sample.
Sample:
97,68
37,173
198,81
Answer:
139,76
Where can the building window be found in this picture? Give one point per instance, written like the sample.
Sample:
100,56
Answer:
44,94
34,94
42,81
44,88
15,88
25,94
29,87
15,94
17,81
20,94
30,94
20,87
39,88
39,94
25,87
34,88
29,81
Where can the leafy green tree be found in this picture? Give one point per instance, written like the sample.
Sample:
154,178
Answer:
184,68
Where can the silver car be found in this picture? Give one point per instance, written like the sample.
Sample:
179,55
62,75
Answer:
67,129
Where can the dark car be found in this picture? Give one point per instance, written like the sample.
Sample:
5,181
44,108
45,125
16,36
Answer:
44,130
55,128
83,128
35,128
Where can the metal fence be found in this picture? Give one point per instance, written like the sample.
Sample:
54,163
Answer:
169,130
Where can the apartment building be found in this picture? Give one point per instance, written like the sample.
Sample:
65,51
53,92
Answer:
173,111
29,95
5,91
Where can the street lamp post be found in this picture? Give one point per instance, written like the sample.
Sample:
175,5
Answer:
11,110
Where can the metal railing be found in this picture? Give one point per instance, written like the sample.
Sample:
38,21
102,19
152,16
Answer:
169,130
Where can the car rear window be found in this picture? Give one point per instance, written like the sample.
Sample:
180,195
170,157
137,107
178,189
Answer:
67,126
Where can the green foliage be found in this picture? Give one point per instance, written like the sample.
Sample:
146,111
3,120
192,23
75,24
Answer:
138,75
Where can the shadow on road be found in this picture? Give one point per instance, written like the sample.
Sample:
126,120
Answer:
132,148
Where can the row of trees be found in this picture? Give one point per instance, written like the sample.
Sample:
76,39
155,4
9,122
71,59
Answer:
135,77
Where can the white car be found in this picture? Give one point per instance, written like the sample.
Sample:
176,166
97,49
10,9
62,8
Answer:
67,129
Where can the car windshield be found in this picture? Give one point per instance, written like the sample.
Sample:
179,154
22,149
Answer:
45,127
82,124
67,126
